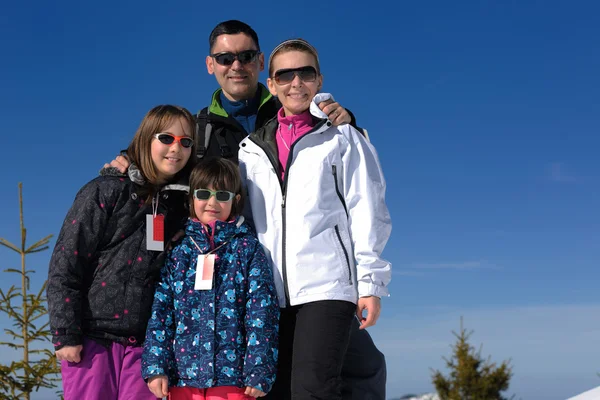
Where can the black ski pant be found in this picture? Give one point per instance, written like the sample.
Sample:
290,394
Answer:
323,355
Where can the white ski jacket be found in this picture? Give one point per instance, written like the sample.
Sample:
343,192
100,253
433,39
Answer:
326,223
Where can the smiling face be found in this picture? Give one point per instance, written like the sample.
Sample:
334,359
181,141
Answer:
215,174
296,95
169,159
211,210
238,81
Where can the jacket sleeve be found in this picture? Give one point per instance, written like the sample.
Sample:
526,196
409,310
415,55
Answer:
368,217
81,233
261,322
362,131
158,355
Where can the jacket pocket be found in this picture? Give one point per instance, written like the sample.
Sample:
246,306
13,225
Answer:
337,190
346,256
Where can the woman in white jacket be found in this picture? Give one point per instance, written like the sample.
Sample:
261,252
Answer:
317,199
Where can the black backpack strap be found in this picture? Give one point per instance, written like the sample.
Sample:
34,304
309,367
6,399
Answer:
203,133
225,148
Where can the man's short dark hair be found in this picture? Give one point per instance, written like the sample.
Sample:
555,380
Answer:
232,27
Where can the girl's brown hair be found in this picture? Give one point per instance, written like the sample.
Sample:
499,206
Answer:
219,174
157,120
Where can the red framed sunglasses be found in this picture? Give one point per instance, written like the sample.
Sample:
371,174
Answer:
167,138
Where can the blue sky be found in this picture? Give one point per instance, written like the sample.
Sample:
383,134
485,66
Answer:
485,114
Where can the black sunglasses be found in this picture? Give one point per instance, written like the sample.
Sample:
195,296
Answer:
228,58
167,138
285,76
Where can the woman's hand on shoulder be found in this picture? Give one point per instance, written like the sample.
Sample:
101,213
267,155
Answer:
159,386
69,353
250,391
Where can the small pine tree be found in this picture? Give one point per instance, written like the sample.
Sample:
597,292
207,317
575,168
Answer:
471,377
38,367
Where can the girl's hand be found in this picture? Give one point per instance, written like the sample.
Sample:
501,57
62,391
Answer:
250,391
69,353
159,386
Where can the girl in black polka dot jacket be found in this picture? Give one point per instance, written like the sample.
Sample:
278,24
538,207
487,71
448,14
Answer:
107,258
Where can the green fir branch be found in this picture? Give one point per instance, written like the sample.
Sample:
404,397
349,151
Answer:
13,270
38,245
11,345
8,244
38,250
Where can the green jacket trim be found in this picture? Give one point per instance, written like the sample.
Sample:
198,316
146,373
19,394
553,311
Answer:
217,109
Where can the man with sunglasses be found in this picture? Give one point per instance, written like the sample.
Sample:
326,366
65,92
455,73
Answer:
240,106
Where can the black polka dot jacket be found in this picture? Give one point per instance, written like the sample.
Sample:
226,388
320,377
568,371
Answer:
101,277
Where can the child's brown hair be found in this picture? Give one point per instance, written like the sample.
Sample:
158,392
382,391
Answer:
220,174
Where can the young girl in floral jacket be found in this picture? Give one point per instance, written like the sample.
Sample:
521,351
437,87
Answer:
214,324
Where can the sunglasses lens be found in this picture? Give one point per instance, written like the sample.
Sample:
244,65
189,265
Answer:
308,75
186,142
225,58
165,139
202,194
283,77
223,195
246,56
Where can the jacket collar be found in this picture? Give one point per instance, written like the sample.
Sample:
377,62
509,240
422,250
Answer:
267,132
217,109
135,175
218,233
300,122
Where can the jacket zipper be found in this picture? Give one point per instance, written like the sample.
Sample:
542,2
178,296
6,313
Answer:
337,189
337,232
286,288
128,283
285,184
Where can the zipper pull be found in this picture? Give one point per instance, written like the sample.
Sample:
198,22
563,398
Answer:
283,201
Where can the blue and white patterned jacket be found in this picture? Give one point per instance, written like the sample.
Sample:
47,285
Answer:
226,336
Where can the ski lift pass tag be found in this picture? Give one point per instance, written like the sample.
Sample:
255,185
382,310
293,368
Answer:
155,232
204,272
